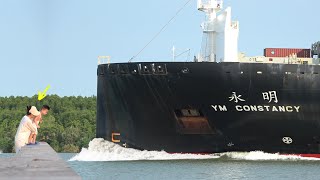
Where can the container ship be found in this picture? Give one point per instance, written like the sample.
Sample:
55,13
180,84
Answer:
222,101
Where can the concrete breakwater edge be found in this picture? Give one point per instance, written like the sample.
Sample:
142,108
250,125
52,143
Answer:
36,162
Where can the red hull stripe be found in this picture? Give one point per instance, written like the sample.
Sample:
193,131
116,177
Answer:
300,155
306,155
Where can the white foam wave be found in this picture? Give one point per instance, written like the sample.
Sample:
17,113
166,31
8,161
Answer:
262,156
102,150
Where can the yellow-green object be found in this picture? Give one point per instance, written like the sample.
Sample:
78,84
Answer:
42,95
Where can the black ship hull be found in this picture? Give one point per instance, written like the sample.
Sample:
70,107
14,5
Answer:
210,107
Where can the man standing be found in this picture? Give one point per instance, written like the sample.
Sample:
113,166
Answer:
44,111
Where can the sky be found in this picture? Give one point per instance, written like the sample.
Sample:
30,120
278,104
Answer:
57,42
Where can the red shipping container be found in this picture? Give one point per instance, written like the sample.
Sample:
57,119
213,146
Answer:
286,52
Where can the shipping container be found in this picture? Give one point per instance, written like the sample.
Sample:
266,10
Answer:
286,52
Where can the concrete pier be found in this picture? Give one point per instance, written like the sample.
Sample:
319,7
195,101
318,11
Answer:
36,162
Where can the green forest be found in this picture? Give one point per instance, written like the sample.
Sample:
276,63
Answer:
69,125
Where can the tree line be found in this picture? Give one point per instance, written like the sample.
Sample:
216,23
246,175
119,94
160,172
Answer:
69,125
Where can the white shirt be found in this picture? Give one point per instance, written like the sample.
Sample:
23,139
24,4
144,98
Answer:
24,130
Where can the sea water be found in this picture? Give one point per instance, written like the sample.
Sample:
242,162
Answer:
106,160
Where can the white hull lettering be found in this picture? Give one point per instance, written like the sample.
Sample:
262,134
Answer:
222,108
238,108
214,107
246,108
282,109
274,109
289,109
254,108
258,108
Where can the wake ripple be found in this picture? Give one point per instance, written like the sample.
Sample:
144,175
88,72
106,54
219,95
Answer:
102,150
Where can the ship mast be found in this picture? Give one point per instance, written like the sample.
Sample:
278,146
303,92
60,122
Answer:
220,33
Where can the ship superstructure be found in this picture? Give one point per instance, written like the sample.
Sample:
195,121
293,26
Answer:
220,40
220,33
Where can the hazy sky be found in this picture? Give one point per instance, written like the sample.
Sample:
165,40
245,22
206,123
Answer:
57,42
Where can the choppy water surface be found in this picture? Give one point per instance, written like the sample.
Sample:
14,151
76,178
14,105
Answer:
105,160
